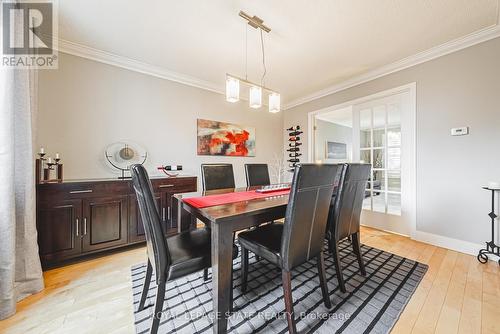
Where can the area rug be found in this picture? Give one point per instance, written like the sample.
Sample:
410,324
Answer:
372,304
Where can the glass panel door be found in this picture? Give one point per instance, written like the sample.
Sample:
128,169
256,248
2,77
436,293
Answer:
379,131
380,146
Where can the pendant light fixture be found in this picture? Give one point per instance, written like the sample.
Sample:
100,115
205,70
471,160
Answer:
255,97
232,89
274,102
255,90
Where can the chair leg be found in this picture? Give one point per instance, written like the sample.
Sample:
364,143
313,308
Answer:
160,297
145,287
244,269
205,274
231,306
322,280
331,245
287,292
338,266
357,249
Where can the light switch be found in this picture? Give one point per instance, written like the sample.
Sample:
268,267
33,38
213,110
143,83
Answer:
460,131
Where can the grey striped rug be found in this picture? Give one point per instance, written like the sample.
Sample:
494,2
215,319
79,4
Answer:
372,304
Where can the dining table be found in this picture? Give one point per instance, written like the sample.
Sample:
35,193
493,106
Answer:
226,211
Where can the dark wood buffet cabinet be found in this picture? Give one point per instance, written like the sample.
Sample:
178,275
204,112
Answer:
79,218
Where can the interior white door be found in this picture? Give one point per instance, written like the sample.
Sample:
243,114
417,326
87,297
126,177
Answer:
384,136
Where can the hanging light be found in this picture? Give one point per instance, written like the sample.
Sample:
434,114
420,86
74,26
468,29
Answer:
274,102
255,98
232,89
255,91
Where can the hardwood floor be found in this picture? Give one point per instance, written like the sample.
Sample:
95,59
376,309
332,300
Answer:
457,295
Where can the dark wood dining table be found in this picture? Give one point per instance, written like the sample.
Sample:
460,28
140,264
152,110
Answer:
223,221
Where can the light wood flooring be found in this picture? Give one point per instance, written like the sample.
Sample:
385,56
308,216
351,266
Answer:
457,294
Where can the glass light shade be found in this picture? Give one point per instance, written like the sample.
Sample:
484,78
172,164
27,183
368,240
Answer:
232,89
274,102
255,97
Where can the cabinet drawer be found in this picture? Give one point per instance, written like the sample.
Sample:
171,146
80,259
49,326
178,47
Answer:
174,184
78,190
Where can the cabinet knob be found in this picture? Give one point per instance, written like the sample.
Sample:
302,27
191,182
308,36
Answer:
84,226
166,185
77,227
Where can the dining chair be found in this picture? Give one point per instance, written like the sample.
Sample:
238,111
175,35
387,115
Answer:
169,258
257,175
217,176
213,177
301,237
344,215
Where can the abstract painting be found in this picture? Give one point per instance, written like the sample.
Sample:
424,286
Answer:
219,138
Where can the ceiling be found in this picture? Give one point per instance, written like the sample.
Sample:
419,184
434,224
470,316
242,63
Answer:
312,45
339,116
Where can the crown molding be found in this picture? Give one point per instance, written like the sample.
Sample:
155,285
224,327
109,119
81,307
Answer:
419,58
458,44
87,52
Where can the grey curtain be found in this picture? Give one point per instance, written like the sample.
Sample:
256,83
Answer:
20,270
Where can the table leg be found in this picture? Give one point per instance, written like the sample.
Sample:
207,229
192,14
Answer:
222,248
181,218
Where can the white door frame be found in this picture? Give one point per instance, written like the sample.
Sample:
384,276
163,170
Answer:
410,88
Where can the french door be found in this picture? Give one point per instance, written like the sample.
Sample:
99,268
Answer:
384,136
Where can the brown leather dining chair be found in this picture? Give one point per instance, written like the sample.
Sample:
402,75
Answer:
169,258
344,215
301,237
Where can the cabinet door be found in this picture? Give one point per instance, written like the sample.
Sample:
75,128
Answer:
59,229
104,222
136,227
166,199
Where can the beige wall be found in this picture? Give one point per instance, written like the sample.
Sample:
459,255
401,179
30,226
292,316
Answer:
86,105
460,89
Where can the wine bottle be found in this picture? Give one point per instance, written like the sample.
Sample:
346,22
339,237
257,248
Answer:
172,167
295,133
294,139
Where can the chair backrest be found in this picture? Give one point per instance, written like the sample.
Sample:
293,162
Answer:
307,213
257,175
344,217
217,176
157,247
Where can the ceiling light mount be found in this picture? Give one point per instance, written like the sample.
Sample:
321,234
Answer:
255,21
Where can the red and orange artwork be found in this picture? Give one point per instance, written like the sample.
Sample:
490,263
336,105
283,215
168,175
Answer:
219,138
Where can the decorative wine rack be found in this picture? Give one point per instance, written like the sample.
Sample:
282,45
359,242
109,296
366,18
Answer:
293,148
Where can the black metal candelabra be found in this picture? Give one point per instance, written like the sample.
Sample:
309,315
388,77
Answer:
491,247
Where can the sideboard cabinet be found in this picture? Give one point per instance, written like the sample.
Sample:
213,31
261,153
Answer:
78,218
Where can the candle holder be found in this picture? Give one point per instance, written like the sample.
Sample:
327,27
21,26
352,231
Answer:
39,167
43,169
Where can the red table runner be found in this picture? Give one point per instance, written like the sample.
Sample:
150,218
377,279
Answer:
218,199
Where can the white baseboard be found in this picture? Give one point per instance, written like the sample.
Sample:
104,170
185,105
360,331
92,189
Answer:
450,243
